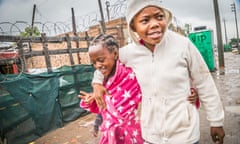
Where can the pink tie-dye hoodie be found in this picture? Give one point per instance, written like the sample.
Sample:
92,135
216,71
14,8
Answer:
121,124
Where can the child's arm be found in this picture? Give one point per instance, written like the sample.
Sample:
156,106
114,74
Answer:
193,98
98,89
88,102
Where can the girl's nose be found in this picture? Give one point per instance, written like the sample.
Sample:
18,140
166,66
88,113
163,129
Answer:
154,23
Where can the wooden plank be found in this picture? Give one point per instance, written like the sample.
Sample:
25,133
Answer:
21,54
55,52
8,38
45,51
69,46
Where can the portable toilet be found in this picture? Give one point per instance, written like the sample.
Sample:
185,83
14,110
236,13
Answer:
203,40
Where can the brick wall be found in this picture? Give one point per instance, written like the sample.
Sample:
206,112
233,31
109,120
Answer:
117,28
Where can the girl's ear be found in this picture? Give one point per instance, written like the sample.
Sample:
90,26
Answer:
116,54
132,26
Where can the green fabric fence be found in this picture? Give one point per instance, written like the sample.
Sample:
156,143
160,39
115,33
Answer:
31,105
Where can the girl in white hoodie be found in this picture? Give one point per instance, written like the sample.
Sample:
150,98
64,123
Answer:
164,63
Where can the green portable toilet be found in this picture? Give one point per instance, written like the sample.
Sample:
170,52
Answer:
227,48
203,40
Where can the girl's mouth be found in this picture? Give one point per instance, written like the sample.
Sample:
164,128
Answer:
155,35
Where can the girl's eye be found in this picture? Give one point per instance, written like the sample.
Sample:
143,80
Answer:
160,16
144,21
101,60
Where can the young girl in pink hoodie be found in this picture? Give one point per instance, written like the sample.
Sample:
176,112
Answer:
121,124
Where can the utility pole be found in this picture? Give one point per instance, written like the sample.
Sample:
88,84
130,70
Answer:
107,8
73,22
102,17
33,18
219,36
75,33
31,32
233,6
226,39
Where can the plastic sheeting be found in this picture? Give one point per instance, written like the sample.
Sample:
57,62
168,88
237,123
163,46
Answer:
31,105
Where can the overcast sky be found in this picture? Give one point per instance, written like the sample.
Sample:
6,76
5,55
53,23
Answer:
194,12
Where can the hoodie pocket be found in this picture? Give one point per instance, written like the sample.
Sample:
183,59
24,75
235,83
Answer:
178,120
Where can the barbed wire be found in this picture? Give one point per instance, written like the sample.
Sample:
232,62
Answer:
51,28
83,22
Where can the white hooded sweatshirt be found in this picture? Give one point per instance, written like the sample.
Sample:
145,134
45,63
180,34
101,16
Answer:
167,117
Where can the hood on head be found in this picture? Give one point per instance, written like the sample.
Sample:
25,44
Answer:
135,6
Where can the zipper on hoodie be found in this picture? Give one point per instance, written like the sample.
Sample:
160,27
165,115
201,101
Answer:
153,51
152,56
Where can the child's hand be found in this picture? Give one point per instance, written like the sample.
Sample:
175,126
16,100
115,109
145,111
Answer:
86,97
98,92
193,98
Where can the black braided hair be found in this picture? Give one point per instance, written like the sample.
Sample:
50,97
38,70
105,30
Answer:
107,41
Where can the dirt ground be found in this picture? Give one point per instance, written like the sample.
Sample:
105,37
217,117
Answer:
76,132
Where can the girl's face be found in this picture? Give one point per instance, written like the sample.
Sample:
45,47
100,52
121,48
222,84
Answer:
150,24
103,60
